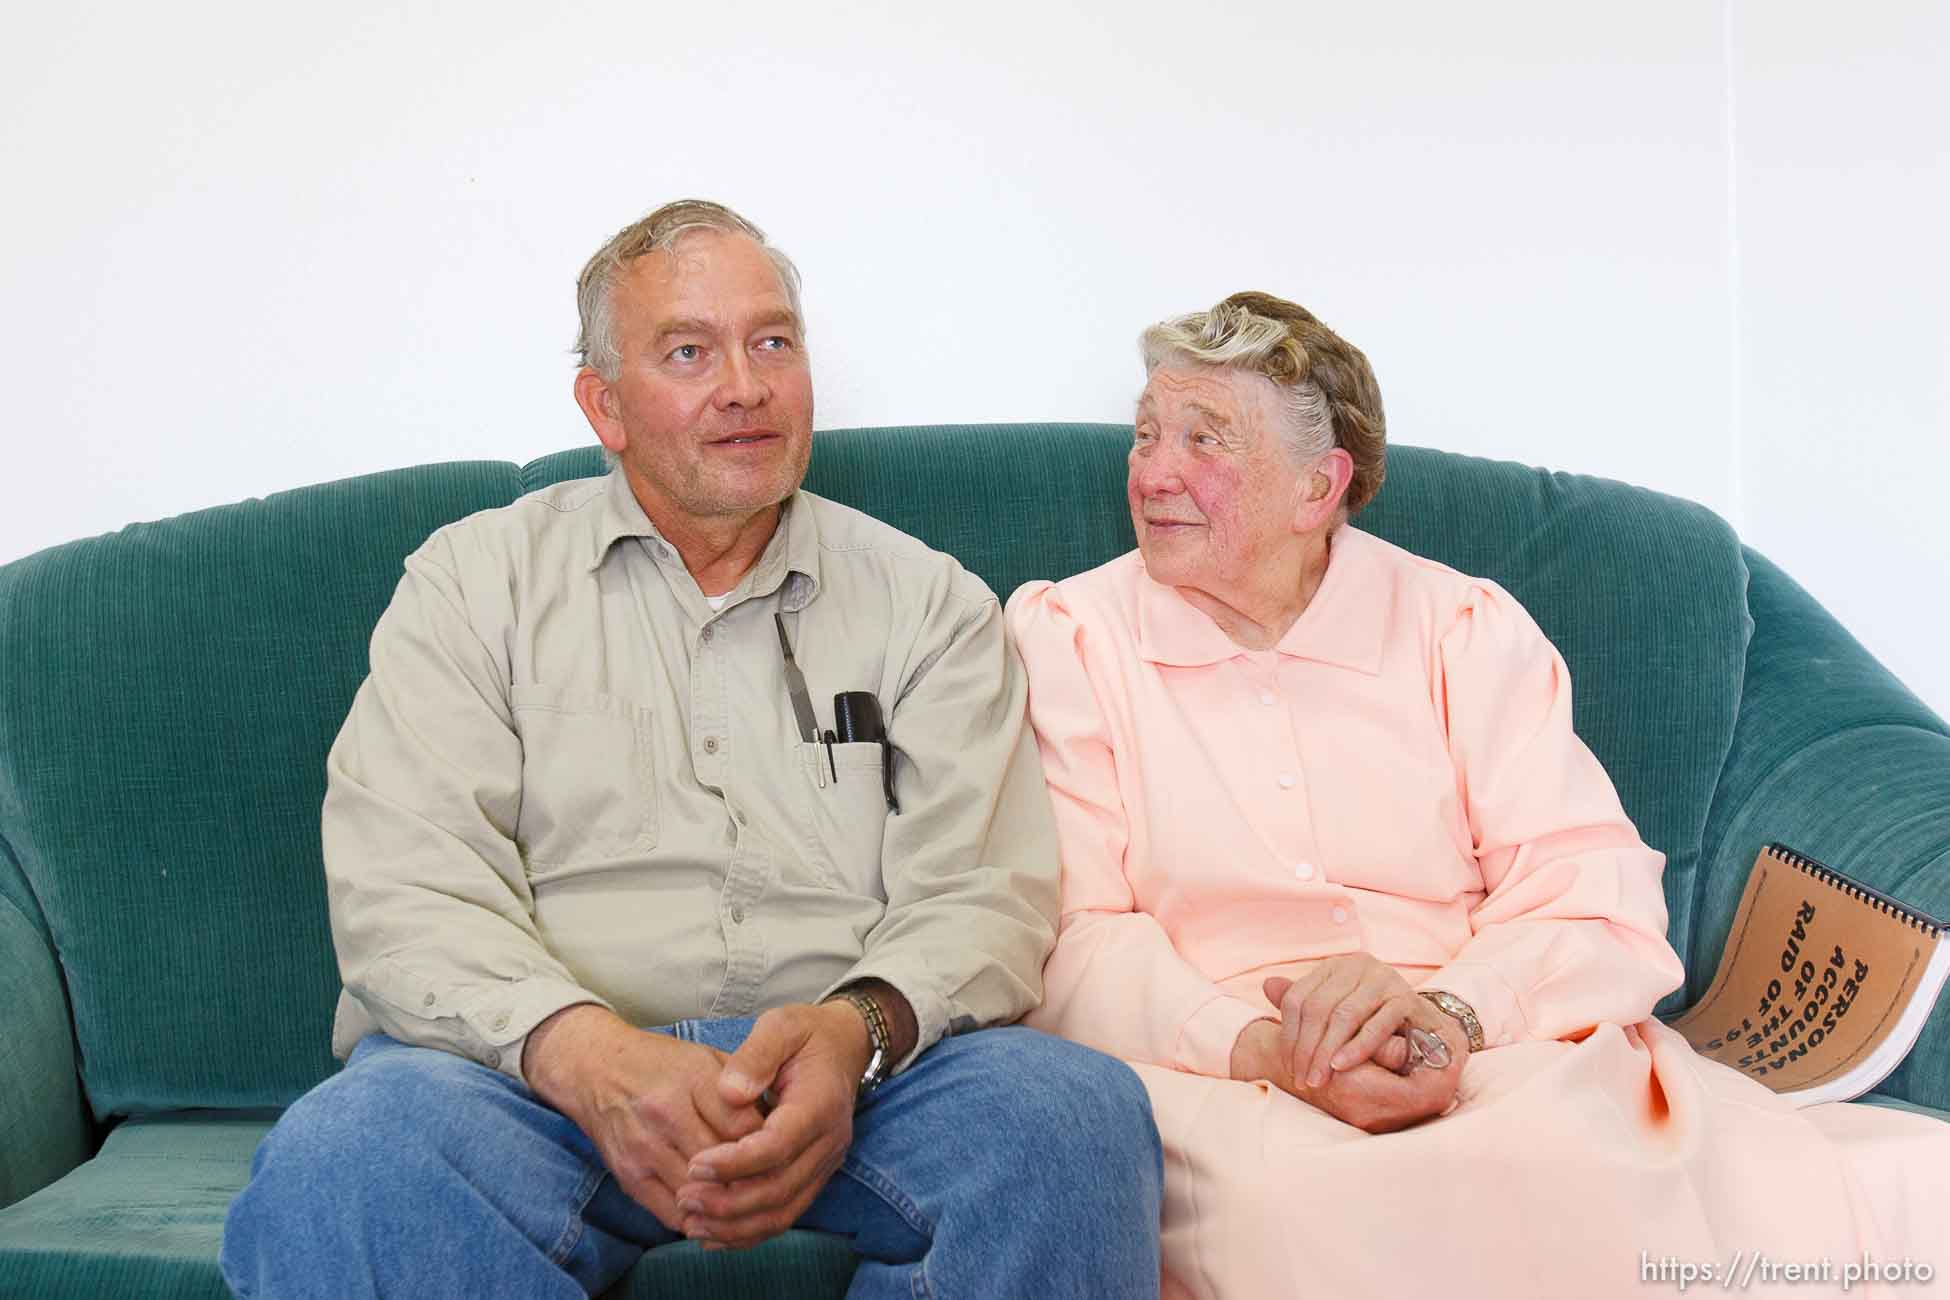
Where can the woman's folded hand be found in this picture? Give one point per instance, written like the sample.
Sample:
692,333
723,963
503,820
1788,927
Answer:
1338,1045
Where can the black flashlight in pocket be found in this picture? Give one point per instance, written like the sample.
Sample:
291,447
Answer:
856,717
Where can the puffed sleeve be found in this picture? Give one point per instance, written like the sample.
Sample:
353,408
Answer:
1115,981
1572,930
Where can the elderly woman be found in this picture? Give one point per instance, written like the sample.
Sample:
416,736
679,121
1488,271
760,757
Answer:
1325,823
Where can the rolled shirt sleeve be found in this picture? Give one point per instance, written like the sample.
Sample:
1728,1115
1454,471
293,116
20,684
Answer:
970,862
1571,931
1115,981
431,910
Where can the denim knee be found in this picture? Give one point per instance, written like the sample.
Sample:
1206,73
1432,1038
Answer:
1081,1106
391,1103
333,1156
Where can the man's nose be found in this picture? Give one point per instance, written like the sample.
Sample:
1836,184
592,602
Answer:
740,384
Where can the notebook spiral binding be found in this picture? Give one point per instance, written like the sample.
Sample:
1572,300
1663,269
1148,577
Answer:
1928,925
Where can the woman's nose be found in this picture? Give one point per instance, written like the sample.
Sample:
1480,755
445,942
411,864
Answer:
1155,472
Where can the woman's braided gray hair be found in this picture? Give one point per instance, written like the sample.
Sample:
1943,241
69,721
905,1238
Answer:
1327,387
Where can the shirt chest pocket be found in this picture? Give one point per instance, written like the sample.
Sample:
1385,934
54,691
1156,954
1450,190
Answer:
588,776
844,815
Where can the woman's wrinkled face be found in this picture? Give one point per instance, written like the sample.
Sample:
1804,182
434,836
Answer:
1213,492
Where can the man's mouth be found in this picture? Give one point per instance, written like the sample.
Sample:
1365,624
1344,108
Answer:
744,438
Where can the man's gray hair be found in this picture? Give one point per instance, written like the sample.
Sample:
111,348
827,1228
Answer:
595,287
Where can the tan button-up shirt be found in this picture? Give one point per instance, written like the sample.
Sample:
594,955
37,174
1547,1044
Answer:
569,779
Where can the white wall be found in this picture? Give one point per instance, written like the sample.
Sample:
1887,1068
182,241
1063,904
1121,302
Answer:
261,248
1842,207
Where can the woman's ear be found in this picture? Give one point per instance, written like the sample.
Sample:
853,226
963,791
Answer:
1323,486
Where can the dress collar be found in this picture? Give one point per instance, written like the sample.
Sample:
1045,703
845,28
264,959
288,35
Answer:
1342,625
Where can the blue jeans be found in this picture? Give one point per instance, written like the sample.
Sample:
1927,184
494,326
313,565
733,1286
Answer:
1002,1163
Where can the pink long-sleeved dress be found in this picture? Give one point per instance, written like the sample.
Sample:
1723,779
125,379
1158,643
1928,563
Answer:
1400,776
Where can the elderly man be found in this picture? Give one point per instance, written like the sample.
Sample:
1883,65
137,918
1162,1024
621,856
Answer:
586,820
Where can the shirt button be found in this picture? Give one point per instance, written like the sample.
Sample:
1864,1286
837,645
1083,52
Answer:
501,1021
737,915
427,1001
1340,916
1288,780
705,635
1304,871
710,744
1266,697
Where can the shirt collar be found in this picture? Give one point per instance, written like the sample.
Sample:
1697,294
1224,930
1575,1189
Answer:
790,558
1343,624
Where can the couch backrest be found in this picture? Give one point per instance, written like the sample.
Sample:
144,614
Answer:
1644,594
168,693
167,696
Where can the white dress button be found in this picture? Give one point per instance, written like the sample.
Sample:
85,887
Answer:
1340,916
1288,780
1266,697
1304,871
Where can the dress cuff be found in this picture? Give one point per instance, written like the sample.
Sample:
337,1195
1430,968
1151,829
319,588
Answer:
1488,994
1206,1040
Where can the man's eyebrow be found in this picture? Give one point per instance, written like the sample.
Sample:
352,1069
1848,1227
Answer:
783,316
699,325
683,325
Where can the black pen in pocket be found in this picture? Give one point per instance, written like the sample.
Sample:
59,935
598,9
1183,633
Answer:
857,715
827,738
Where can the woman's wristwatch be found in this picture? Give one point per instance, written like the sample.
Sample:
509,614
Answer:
1463,1014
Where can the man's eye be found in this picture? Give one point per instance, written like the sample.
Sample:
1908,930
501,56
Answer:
1143,436
775,343
686,352
1206,439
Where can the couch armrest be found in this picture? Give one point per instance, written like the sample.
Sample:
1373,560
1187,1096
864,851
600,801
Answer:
1835,758
43,1130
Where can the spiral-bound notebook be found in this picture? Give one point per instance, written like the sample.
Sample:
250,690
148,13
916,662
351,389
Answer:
1824,984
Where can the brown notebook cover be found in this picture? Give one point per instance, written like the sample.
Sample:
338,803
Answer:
1824,984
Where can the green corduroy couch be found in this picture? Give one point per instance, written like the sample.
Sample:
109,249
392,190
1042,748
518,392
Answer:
168,693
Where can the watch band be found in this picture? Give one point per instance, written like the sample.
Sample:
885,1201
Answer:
880,1040
1461,1012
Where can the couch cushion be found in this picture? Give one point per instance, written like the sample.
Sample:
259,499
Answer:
167,696
145,1218
1643,594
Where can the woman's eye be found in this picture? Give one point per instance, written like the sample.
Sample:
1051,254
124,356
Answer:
1206,439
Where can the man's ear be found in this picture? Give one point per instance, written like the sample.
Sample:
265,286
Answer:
1322,488
598,403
